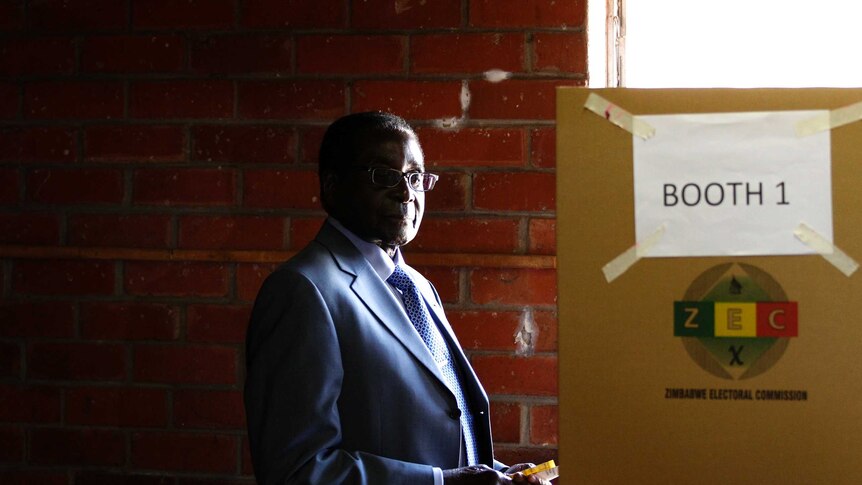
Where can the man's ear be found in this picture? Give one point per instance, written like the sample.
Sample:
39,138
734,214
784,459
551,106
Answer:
328,182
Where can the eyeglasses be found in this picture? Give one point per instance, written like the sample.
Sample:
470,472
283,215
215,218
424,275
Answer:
388,177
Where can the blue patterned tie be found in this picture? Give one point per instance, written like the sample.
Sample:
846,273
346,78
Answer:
418,313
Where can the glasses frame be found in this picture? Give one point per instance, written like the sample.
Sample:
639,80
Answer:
407,176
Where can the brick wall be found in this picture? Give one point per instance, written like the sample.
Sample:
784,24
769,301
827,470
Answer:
157,158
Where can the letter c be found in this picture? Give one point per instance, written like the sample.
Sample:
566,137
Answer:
773,323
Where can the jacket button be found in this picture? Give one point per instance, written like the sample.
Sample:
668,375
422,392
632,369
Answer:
455,413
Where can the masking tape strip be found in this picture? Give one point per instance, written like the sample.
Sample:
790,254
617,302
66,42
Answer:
624,261
618,116
830,252
832,119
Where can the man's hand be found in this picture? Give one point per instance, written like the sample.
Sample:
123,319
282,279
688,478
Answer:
513,470
483,475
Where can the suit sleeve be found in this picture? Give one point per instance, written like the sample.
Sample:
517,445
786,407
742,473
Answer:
294,376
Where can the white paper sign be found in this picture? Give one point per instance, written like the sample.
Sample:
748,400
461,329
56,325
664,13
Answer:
731,183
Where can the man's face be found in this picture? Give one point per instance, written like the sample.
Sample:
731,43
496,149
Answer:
387,216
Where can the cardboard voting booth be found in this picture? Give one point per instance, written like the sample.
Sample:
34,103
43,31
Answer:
709,303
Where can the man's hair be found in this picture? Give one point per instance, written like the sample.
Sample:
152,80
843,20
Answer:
345,137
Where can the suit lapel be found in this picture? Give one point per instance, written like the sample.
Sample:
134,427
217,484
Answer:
376,296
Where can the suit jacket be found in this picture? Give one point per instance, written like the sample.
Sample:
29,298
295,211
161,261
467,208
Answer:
340,387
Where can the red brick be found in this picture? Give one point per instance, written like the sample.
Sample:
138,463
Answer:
531,376
73,100
11,15
121,478
409,99
135,143
514,286
450,193
303,231
231,232
119,230
543,425
43,319
543,150
185,451
231,54
432,54
217,323
10,99
247,468
560,52
77,447
129,321
63,277
194,187
208,409
183,14
547,340
249,480
506,422
249,278
410,14
37,55
77,361
46,277
216,481
496,147
29,229
516,99
543,236
9,188
10,360
186,364
244,144
485,330
317,14
75,186
181,99
29,404
527,13
11,445
35,144
309,145
77,15
350,54
111,406
133,54
29,476
282,100
447,282
485,235
515,191
281,189
33,477
176,279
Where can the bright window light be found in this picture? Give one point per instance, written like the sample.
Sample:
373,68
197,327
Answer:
742,43
596,46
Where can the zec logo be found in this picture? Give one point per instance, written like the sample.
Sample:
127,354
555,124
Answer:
735,321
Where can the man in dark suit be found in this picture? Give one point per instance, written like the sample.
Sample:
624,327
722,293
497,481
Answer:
354,375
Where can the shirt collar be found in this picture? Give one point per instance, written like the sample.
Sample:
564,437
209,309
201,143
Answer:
382,264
